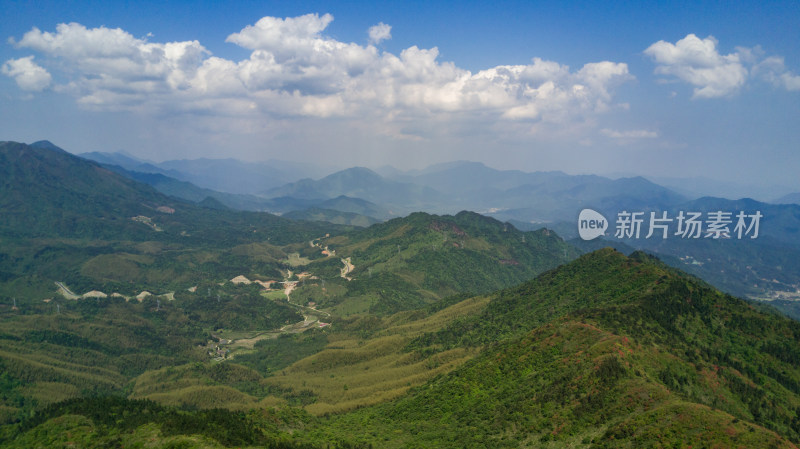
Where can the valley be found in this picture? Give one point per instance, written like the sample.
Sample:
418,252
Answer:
209,327
362,197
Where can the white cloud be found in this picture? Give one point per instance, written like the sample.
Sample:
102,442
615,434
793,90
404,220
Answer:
632,134
102,60
773,70
790,81
379,33
699,63
295,70
287,34
28,75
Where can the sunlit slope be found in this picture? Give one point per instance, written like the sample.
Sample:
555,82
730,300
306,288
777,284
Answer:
368,361
607,351
409,262
64,349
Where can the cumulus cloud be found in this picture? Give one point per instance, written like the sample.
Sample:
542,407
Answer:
379,33
28,75
699,63
103,62
295,70
289,34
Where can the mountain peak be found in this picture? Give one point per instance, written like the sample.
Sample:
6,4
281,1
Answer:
360,171
47,145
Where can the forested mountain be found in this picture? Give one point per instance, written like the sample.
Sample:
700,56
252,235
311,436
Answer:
70,220
606,351
132,318
51,193
409,262
763,268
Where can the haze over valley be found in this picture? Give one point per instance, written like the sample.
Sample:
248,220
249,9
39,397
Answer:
760,269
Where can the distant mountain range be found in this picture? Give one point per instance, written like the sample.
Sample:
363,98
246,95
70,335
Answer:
698,187
400,198
222,175
792,198
765,268
513,195
48,192
545,197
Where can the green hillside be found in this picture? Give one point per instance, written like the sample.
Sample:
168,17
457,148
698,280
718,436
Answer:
606,351
47,193
132,319
407,263
332,216
66,219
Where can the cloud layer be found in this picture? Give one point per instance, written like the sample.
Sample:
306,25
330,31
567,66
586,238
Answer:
699,63
295,70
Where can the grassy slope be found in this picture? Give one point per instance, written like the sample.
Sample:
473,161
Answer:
607,351
92,347
617,352
376,353
365,362
410,262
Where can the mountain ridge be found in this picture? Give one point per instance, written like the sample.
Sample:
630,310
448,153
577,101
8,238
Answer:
648,357
612,371
603,351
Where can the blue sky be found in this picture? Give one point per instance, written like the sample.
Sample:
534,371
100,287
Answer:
673,89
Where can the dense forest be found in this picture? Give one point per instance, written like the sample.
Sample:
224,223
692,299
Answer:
132,319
